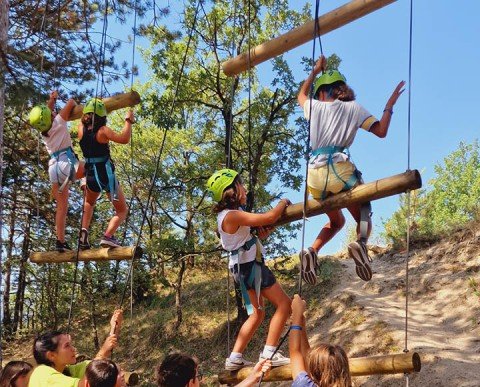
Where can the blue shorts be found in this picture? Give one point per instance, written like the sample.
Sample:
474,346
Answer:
268,279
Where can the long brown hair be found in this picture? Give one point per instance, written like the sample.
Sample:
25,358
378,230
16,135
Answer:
338,90
328,366
230,199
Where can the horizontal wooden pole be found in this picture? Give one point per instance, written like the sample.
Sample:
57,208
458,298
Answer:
360,366
115,102
102,254
302,34
389,186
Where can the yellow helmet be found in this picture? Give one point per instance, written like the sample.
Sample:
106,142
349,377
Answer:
40,118
220,180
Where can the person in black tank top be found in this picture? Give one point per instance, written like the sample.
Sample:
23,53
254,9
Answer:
94,136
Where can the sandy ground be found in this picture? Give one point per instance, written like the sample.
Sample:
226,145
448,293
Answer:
443,312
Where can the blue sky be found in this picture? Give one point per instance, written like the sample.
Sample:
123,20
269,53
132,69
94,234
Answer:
374,53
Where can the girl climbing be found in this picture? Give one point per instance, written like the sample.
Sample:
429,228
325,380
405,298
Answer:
335,117
94,138
64,166
248,266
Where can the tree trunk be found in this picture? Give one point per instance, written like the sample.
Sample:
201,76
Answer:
22,276
4,11
7,318
178,293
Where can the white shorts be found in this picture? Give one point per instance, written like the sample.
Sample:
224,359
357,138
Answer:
60,169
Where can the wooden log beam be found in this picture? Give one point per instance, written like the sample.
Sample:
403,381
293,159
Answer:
389,186
102,254
302,34
115,102
361,366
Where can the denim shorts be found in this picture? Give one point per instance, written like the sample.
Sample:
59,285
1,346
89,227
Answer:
268,279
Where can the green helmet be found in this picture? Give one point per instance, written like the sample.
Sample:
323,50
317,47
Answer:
220,180
95,105
40,118
327,78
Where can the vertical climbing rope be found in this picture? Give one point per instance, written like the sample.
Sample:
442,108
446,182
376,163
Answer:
316,31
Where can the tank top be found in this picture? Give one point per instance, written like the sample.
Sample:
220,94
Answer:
91,147
58,137
234,241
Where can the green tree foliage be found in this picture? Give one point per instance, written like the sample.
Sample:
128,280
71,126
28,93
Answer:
450,201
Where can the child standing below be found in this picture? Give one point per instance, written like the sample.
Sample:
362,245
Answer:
335,117
94,138
323,366
248,266
63,166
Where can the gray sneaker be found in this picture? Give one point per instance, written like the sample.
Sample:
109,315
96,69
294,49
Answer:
237,363
277,360
359,253
308,264
83,242
110,242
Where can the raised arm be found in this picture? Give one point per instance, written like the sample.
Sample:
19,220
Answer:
112,340
303,93
235,219
380,128
123,137
298,341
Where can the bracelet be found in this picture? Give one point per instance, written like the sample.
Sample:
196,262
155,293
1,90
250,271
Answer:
129,120
287,202
388,110
295,328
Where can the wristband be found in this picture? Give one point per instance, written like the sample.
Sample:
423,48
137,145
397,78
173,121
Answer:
295,328
388,110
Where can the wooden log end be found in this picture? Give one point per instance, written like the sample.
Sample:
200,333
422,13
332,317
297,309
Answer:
131,378
417,362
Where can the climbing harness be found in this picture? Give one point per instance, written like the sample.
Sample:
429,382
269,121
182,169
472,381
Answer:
112,180
73,162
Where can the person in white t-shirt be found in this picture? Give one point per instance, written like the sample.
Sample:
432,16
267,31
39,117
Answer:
64,166
335,117
247,265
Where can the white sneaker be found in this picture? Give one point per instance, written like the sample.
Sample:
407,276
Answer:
277,360
237,363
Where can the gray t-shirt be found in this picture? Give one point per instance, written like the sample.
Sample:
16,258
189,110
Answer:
335,124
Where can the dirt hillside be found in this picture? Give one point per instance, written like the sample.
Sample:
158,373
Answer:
443,311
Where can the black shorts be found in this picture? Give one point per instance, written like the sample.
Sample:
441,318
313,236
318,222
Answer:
268,279
92,182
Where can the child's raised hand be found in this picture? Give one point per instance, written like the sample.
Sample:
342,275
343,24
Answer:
130,117
394,97
298,306
54,94
320,65
116,321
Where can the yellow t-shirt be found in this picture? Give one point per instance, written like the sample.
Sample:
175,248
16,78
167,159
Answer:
45,376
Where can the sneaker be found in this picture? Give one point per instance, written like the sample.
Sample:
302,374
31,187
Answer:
110,242
358,252
83,242
62,246
277,360
237,363
308,262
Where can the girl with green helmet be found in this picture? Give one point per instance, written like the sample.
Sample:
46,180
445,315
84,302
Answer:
64,166
247,264
94,136
335,117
